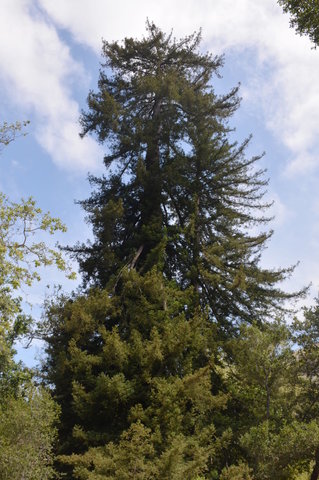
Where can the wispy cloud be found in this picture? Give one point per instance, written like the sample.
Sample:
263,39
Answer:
283,73
37,70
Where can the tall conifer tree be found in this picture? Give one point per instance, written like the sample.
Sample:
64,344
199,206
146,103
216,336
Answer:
181,195
173,265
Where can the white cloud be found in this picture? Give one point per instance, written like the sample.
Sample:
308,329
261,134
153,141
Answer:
38,68
225,23
283,72
36,71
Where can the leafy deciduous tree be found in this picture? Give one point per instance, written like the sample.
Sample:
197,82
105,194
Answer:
27,413
21,255
10,131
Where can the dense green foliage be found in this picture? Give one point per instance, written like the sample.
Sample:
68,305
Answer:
27,435
139,366
304,17
271,428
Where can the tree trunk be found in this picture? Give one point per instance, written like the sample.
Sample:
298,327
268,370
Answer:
196,233
151,212
315,471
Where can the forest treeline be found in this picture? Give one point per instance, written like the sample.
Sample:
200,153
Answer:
174,359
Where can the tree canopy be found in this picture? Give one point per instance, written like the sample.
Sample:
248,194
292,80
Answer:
304,17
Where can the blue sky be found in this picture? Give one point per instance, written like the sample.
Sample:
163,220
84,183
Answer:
49,58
